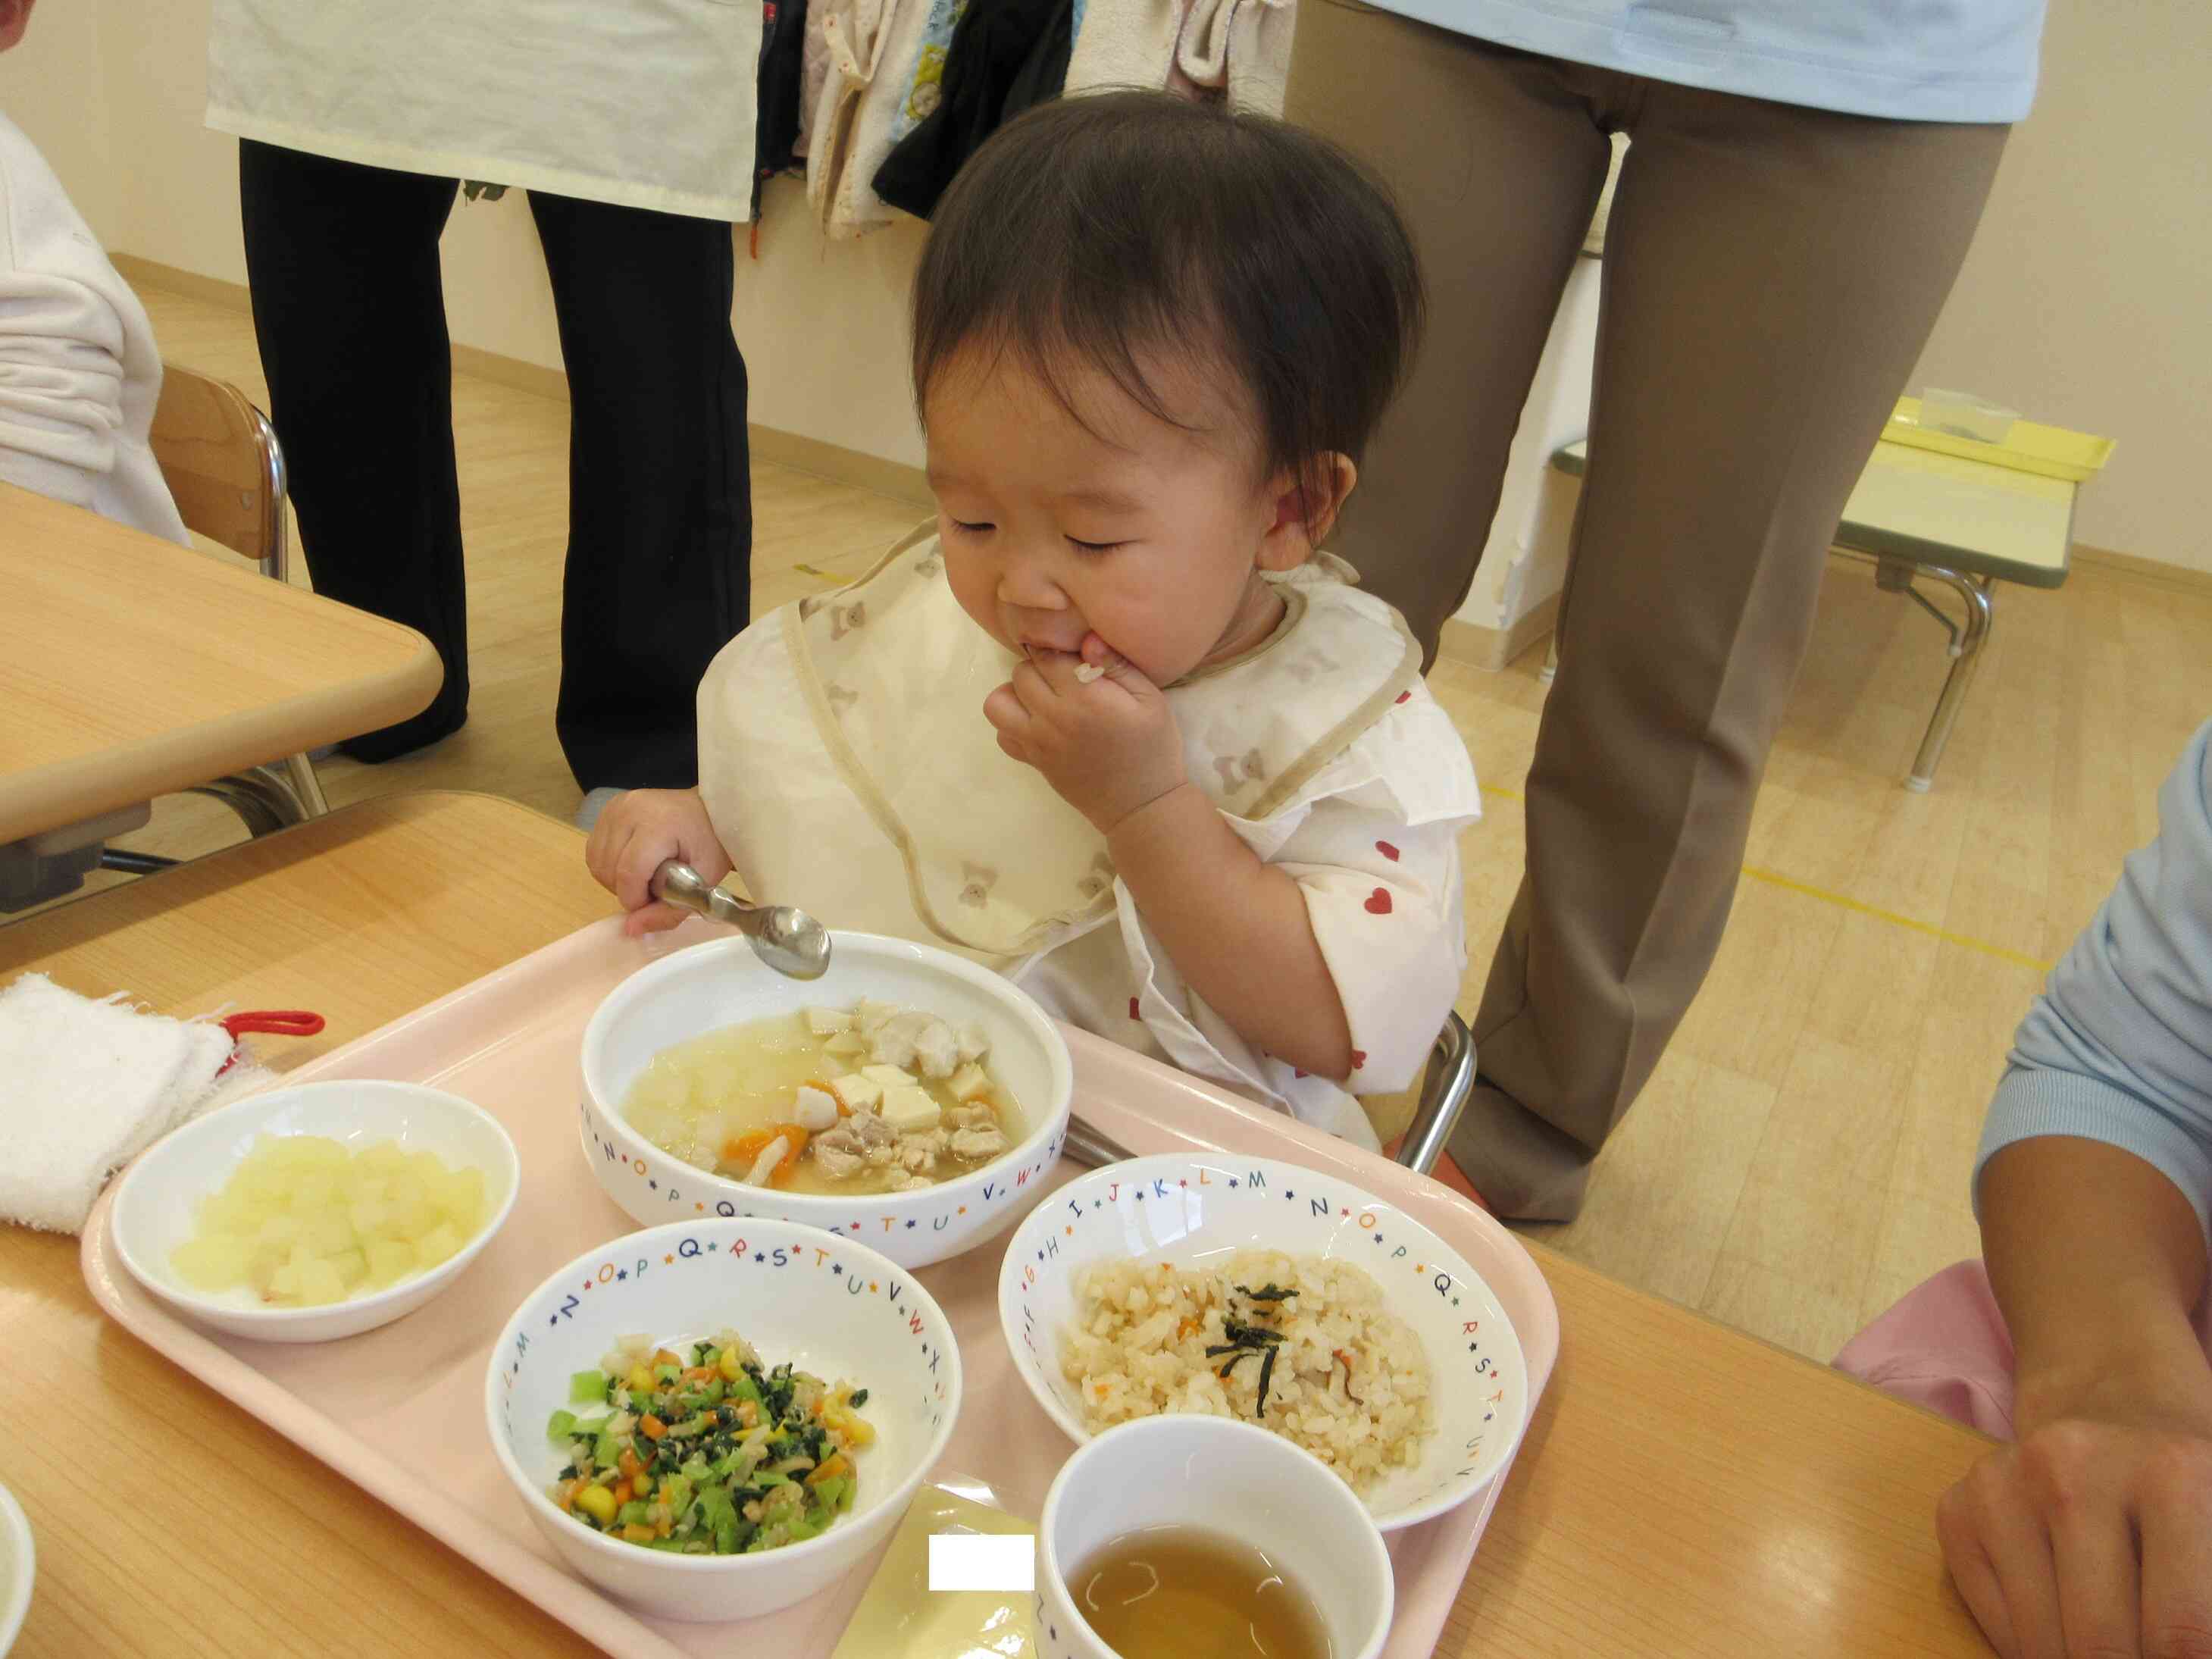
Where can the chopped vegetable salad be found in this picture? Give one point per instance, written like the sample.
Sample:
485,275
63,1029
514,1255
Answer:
706,1451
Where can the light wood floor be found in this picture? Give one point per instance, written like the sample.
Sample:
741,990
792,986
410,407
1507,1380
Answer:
1801,1157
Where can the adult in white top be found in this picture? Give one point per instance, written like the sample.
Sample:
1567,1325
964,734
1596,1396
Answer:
79,375
1802,179
630,124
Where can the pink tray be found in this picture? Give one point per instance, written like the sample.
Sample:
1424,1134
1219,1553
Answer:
400,1410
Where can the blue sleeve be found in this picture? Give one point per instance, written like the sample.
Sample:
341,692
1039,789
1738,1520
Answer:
2119,1047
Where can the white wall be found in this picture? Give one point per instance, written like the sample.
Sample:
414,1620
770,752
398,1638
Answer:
2083,303
52,87
2080,305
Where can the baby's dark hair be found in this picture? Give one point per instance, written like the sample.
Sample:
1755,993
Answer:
1100,228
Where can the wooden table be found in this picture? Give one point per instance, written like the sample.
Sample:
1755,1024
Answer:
132,667
1684,1489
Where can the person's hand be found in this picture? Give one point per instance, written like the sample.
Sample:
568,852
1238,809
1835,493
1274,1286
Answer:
2089,1538
1106,741
638,831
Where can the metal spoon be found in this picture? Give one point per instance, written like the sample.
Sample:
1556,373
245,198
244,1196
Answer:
790,941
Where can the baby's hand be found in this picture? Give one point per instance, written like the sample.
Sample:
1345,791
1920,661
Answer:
636,834
1100,731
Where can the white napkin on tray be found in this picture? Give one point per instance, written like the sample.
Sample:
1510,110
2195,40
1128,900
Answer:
85,1086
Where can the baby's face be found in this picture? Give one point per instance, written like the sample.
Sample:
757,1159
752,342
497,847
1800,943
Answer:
1119,524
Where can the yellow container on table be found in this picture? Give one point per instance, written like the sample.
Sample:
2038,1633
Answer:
2052,451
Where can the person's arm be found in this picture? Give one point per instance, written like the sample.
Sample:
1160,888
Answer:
637,832
2092,1533
1237,930
61,386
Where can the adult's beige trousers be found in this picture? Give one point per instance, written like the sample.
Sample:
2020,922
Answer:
1771,275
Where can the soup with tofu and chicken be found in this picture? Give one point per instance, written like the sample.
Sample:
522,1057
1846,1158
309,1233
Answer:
874,1098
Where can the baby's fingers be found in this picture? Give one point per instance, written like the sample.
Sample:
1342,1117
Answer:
655,918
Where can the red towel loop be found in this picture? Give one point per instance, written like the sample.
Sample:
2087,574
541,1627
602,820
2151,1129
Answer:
283,1022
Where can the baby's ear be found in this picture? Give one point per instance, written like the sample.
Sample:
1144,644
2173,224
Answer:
1304,514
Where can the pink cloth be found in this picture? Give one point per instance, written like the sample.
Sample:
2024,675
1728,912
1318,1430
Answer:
1944,1346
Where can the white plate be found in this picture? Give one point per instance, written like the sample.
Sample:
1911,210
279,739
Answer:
721,983
154,1204
1189,1209
19,1560
828,1306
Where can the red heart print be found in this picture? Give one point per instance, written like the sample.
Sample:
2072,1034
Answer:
1387,850
1133,1008
1359,1058
1402,695
1378,901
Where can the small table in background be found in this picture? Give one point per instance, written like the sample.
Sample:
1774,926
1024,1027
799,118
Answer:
131,667
1966,524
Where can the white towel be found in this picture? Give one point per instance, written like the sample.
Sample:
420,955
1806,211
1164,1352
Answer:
85,1086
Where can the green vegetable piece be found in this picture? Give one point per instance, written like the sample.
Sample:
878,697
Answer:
560,1427
587,1389
634,1513
860,1398
606,1451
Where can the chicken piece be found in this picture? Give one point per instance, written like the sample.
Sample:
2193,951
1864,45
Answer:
915,1154
904,1182
845,1044
936,1050
827,1022
836,1162
974,1045
976,1116
978,1143
871,1130
870,1016
882,1156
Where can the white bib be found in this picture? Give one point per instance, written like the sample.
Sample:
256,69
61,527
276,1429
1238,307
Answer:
899,813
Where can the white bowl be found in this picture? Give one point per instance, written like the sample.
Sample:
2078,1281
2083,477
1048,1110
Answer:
19,1561
826,1305
1228,1478
721,983
1189,1209
153,1213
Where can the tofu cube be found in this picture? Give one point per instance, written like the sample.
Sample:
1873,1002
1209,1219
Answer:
827,1022
909,1107
888,1077
974,1045
860,1094
845,1044
968,1082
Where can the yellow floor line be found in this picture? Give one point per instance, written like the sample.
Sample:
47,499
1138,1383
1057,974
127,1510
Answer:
1844,901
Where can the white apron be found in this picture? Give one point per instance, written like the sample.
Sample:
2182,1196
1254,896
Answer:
639,103
910,820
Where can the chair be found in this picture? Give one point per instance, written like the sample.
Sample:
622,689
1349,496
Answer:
220,458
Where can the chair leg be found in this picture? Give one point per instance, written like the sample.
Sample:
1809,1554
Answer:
300,772
261,797
135,864
1445,1089
1966,656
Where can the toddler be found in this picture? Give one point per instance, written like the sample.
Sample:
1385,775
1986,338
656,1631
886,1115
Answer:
1112,725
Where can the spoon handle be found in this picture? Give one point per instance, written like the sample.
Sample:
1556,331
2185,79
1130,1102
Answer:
678,883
